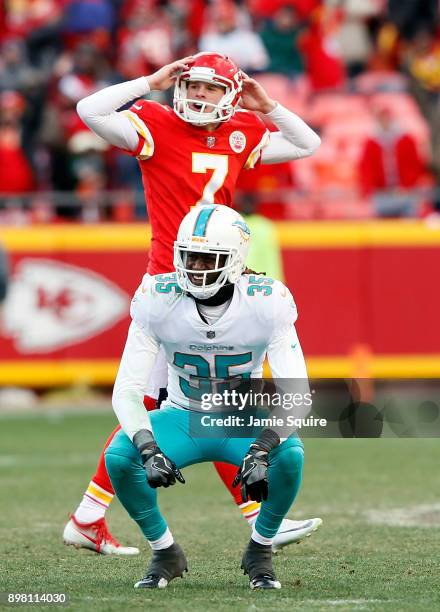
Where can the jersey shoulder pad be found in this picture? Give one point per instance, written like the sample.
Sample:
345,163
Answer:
148,110
257,285
285,312
155,297
272,300
146,117
284,302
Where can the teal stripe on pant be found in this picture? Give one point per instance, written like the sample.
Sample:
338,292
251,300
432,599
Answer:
171,428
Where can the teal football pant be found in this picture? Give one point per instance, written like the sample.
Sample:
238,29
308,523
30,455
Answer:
171,427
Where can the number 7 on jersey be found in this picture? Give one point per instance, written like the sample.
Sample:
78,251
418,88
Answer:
201,162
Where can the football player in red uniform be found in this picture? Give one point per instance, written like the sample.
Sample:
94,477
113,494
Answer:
190,154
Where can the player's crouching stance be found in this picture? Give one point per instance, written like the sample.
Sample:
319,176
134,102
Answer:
214,322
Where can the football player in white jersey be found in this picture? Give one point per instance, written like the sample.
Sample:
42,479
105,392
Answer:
191,153
214,322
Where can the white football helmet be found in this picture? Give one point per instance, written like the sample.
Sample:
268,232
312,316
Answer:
212,68
213,229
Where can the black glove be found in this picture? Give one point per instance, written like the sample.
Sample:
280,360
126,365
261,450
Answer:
253,471
160,470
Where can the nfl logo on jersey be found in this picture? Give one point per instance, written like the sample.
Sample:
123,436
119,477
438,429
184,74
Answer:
210,334
210,141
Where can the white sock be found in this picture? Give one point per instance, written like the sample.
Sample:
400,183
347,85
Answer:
94,503
256,537
165,541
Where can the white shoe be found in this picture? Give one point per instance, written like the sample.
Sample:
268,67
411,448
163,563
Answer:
95,536
294,531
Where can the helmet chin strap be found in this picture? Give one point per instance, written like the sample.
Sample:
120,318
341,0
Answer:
202,118
224,294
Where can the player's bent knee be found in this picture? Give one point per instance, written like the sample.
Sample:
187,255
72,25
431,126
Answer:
290,460
118,465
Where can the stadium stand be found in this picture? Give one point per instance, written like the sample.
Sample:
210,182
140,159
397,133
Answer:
54,53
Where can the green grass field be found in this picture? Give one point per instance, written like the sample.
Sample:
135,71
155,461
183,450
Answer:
379,547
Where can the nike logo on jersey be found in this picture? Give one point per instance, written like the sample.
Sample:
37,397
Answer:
137,107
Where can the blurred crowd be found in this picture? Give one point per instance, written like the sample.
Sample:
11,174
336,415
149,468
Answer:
363,73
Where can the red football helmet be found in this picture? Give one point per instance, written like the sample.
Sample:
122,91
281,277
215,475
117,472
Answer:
210,68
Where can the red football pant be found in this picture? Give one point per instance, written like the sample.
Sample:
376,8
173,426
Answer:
226,471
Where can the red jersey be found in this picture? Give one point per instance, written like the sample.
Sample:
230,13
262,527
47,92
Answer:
184,165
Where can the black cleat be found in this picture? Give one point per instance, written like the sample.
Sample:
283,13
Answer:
257,563
165,565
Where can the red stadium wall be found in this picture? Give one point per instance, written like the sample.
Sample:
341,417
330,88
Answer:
367,296
383,297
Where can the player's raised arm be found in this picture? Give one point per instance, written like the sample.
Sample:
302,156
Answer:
295,138
99,110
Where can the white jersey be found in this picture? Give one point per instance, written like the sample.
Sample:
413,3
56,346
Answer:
258,322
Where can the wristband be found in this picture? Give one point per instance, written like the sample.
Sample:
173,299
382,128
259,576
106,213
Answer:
267,440
144,440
